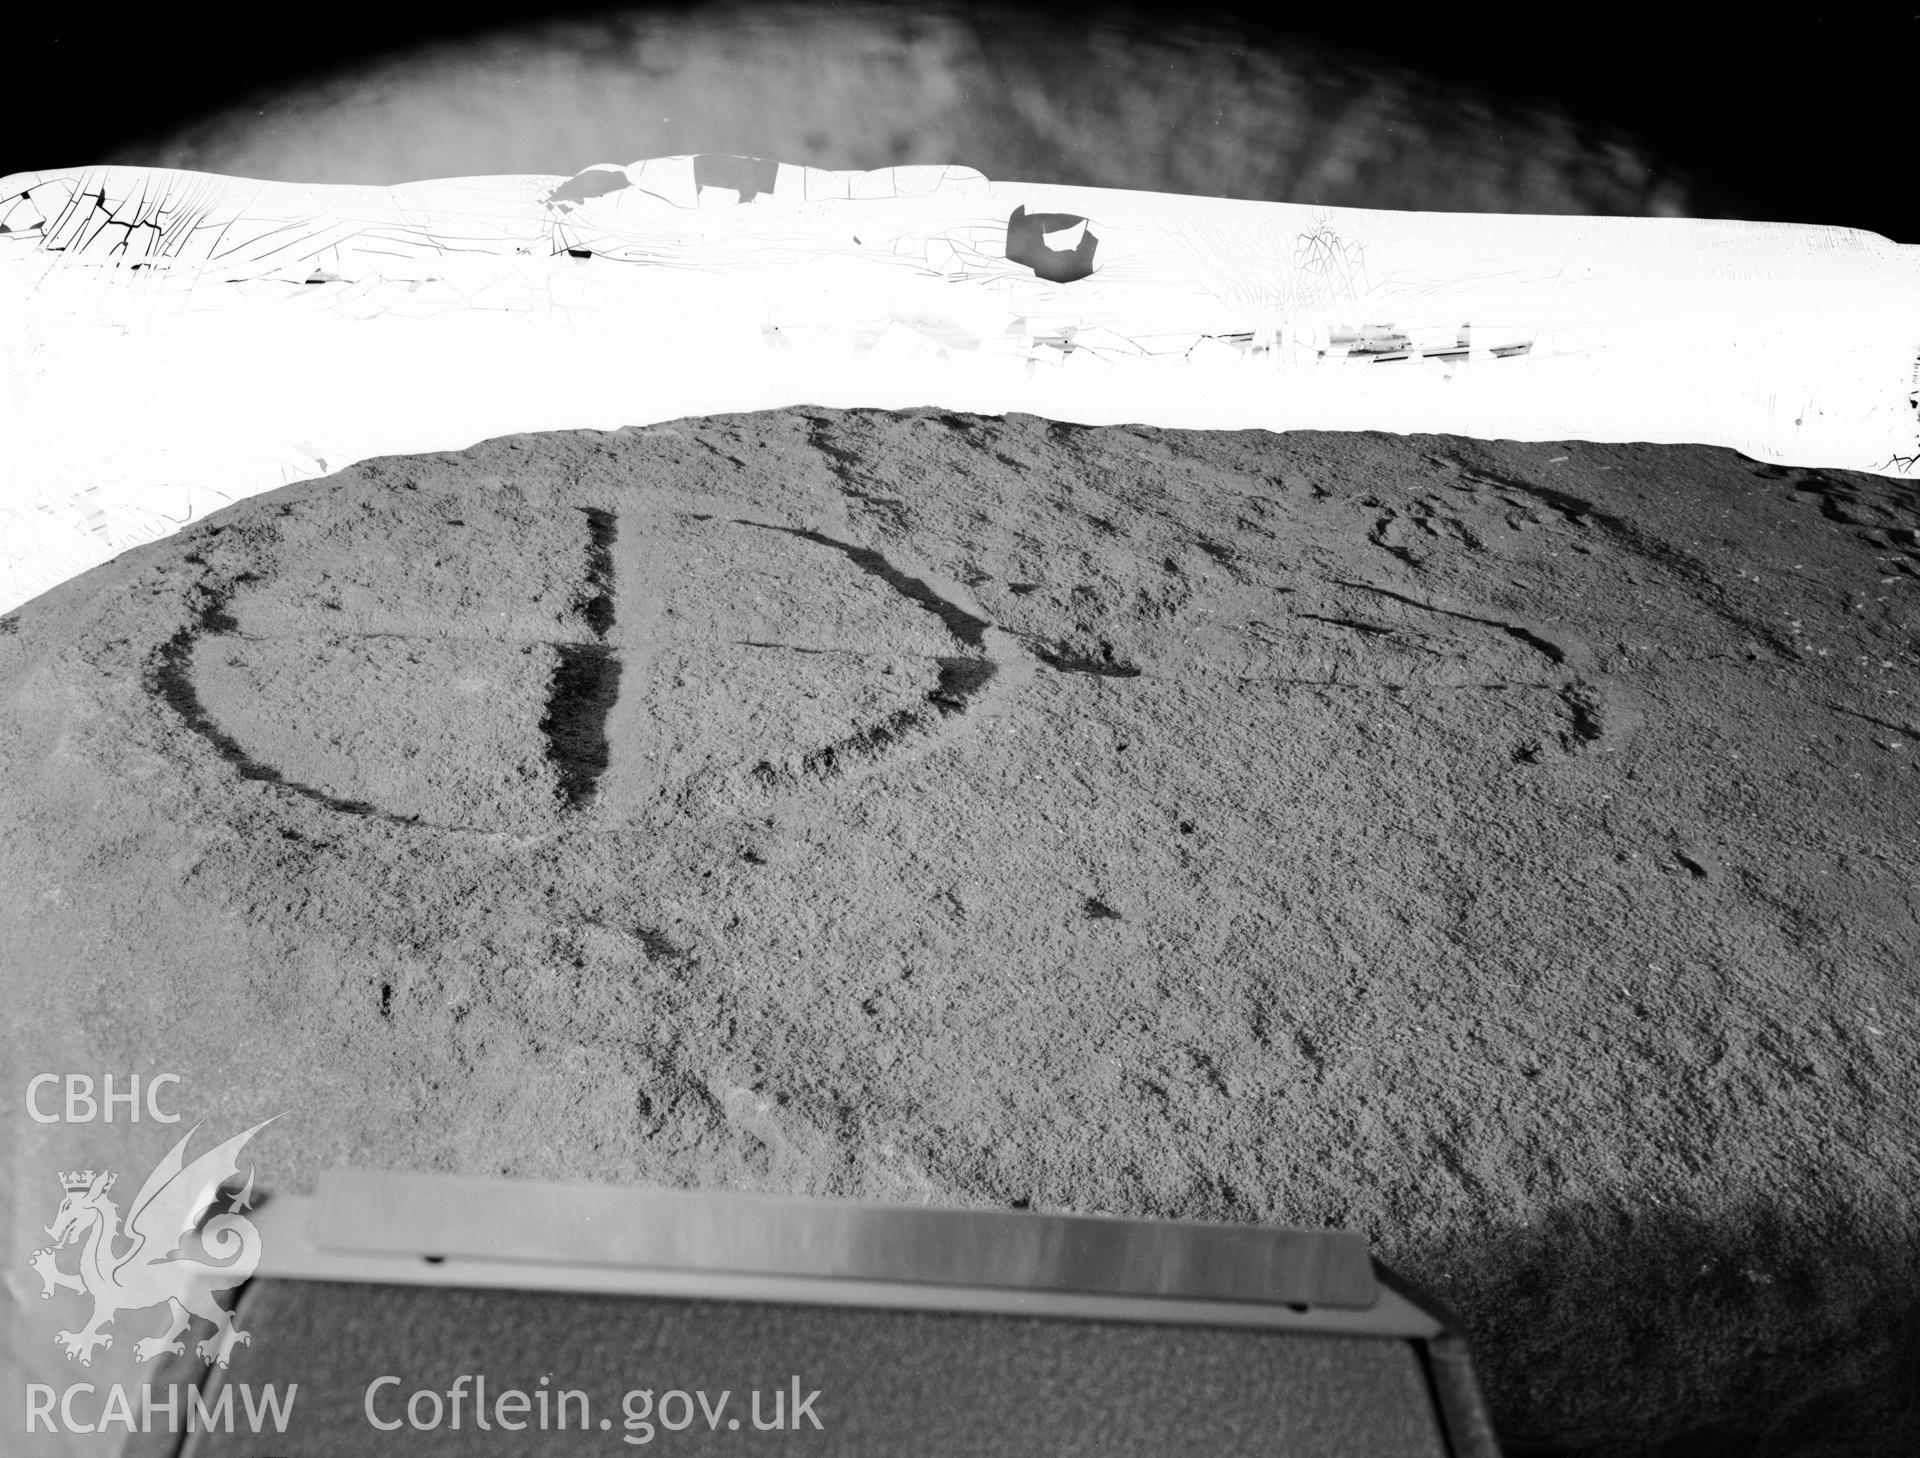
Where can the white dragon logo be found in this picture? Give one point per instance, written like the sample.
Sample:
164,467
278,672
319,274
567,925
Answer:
140,1266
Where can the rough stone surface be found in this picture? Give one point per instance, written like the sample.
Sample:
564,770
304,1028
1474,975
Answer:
1507,850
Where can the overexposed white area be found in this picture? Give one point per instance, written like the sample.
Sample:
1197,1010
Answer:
174,341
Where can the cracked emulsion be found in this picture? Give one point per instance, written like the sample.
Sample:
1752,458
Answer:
185,340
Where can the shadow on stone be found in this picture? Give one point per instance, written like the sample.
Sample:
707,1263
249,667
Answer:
1668,1334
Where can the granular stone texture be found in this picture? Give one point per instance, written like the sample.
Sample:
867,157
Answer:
1507,850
